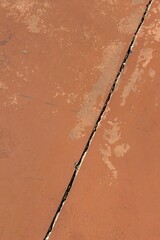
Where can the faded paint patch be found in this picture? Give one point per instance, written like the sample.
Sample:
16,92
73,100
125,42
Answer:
127,24
144,59
89,110
121,150
106,153
29,12
152,72
112,134
154,30
14,101
59,93
157,8
71,98
24,72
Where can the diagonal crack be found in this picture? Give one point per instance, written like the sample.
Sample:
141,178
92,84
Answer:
79,163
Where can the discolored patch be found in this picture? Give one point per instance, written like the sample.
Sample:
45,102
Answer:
29,12
143,61
88,112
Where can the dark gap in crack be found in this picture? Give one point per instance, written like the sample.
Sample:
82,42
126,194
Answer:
78,164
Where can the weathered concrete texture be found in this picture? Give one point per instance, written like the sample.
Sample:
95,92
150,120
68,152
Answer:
116,194
58,60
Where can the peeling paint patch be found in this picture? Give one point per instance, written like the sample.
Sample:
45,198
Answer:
154,30
121,150
89,110
59,93
112,134
71,98
127,24
144,59
106,153
14,101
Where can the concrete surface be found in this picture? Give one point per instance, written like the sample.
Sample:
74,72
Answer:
116,194
58,62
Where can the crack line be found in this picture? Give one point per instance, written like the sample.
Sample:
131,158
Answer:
79,163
